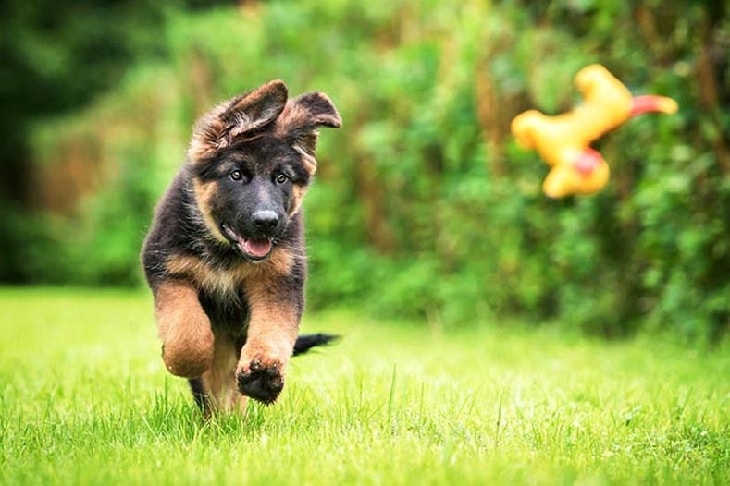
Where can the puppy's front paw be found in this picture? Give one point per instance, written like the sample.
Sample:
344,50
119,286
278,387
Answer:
260,380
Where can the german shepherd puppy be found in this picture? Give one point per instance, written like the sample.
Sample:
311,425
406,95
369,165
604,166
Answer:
225,255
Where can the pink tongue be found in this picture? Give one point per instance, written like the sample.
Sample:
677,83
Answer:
256,247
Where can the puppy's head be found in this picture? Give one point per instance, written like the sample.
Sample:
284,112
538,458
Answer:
253,158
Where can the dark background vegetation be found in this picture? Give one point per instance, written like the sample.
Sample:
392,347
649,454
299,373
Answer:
424,207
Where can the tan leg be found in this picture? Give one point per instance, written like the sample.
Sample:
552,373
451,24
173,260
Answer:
272,331
187,338
220,379
242,403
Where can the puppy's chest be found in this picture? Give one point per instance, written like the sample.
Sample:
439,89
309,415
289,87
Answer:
228,312
207,276
222,291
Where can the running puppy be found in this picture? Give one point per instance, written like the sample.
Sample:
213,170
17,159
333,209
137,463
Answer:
225,255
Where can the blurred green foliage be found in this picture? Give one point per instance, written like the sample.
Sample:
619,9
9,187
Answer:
56,58
424,206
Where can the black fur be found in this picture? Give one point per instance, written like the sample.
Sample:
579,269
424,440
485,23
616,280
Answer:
305,342
199,395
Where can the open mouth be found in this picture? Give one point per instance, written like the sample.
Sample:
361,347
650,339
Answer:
255,249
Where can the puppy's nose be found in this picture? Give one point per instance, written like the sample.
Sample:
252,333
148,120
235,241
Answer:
265,220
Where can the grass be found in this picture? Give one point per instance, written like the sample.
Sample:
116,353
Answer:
85,400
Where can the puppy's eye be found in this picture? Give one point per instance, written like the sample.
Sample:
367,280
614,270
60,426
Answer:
236,175
282,178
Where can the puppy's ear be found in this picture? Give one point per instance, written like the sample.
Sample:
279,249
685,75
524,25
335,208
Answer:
301,118
237,119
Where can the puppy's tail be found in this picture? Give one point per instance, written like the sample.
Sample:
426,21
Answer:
305,342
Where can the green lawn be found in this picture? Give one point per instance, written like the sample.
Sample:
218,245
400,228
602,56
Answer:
86,400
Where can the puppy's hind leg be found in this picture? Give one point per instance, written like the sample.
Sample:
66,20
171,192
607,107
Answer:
219,381
199,395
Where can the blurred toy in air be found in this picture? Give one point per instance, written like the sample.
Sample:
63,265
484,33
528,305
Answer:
563,141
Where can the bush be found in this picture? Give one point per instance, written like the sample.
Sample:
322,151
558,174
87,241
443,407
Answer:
424,207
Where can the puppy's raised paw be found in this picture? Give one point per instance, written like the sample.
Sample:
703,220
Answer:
261,382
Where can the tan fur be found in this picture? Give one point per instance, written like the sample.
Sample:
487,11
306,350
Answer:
298,193
203,194
220,379
272,331
242,403
293,115
231,121
184,329
310,163
207,139
224,282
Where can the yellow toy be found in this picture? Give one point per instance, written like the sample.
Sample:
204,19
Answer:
563,140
